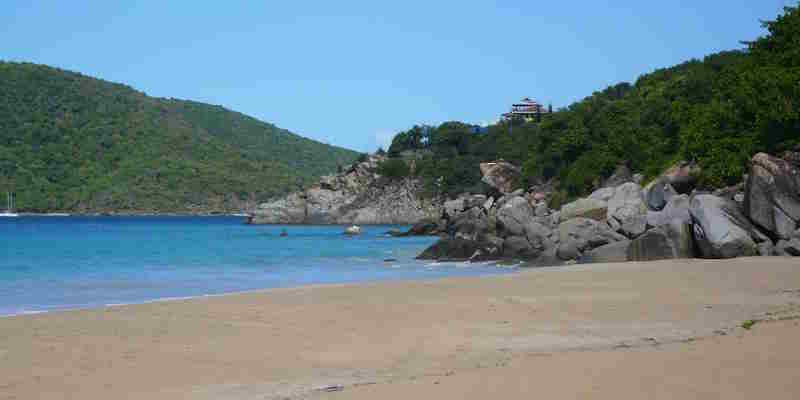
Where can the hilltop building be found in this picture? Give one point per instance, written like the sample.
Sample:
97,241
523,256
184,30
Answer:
527,110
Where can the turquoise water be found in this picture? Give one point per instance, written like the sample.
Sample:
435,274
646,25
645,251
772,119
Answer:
56,263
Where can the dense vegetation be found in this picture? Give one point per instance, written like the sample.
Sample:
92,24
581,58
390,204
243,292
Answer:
717,111
71,142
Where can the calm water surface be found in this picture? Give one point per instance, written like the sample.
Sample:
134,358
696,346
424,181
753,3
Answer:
55,263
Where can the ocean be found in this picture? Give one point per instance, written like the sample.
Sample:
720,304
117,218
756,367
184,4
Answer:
60,263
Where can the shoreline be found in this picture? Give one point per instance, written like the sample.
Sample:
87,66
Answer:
501,270
387,339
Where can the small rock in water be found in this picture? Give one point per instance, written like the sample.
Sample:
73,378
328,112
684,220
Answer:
390,260
353,230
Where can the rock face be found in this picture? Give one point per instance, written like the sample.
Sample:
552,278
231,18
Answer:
720,230
357,196
672,240
500,175
772,195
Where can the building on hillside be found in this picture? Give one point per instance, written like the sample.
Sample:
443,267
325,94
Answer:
527,110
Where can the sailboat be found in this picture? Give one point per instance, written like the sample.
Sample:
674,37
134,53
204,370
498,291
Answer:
10,203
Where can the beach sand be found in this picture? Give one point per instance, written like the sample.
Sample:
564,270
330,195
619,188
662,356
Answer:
668,329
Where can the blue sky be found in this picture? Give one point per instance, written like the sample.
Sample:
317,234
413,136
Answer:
353,73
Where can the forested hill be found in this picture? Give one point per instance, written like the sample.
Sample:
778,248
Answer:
72,142
717,112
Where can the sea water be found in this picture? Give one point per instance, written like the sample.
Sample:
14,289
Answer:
58,263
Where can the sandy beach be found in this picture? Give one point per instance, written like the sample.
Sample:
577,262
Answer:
668,329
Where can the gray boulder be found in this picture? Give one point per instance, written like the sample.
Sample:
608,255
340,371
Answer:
604,194
541,209
578,235
514,215
585,208
787,248
627,207
470,225
455,249
519,247
766,248
677,209
452,207
622,174
475,200
672,240
772,195
500,175
720,230
612,252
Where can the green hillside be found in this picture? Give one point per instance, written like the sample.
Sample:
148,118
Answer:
718,111
71,142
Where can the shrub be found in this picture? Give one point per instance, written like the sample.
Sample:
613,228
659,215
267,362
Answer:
394,168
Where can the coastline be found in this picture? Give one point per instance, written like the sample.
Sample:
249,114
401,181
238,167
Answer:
387,338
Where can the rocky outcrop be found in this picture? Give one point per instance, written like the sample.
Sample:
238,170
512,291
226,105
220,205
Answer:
501,175
720,230
772,195
628,223
356,196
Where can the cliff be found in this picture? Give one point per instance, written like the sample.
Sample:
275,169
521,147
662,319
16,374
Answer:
357,195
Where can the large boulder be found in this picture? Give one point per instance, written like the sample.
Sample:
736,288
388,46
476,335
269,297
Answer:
451,207
604,194
772,195
500,175
672,240
475,200
612,252
677,209
578,235
787,248
514,214
628,208
720,229
471,224
585,208
519,247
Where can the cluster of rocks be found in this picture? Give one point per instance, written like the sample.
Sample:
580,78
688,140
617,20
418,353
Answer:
624,221
358,195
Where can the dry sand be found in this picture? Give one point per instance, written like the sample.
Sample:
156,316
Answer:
666,329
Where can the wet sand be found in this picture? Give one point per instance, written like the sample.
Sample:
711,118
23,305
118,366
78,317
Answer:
669,329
